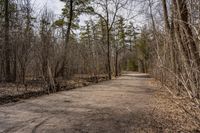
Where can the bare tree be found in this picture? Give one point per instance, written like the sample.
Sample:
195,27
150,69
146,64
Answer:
109,10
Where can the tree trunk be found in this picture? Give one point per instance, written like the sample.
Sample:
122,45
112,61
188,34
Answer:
7,43
116,65
108,56
64,67
165,12
15,65
108,42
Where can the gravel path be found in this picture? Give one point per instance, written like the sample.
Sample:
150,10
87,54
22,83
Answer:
122,105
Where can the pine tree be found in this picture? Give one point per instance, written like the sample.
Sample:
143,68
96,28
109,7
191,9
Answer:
73,9
120,43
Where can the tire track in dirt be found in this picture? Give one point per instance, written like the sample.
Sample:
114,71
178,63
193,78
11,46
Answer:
122,105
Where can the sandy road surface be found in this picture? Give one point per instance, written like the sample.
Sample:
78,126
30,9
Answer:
118,106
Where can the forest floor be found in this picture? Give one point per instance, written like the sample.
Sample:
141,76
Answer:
14,92
131,103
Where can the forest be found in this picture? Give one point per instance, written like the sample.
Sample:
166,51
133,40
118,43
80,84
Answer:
46,49
42,52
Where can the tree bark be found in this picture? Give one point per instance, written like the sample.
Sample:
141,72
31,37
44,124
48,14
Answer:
116,65
166,18
7,43
108,42
67,36
108,56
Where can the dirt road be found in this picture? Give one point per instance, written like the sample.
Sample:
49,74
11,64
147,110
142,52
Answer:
122,105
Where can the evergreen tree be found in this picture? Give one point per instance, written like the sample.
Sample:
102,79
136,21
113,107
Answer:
120,42
73,9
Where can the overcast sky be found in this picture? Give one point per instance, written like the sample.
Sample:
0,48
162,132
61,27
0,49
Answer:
56,6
